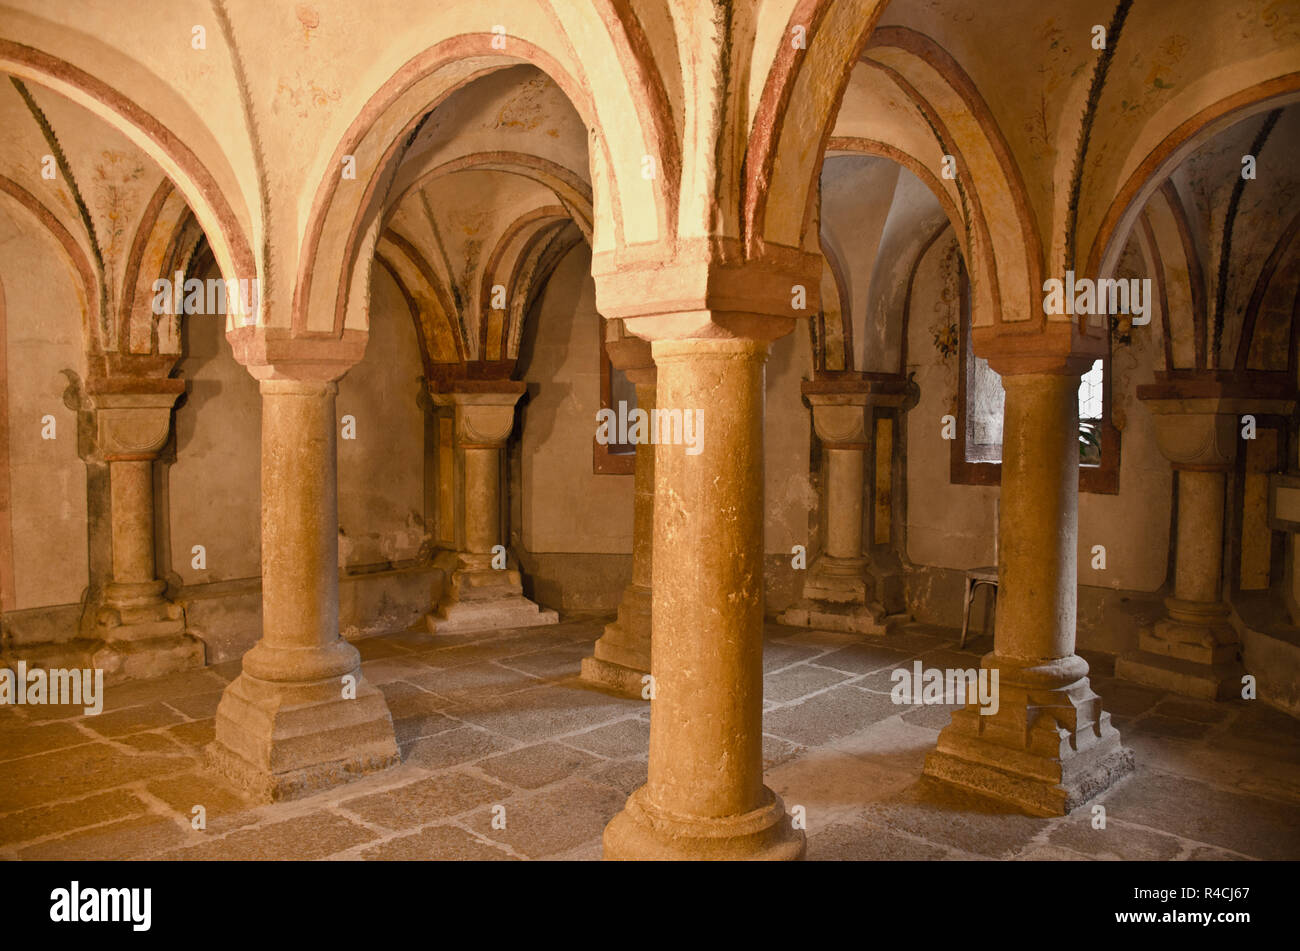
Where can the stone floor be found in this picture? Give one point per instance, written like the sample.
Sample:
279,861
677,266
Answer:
499,720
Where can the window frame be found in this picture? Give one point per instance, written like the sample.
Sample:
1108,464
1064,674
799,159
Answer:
605,460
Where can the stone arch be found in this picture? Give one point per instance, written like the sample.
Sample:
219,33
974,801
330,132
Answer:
342,223
88,283
835,317
206,191
1180,279
1176,134
1210,319
167,239
573,193
1004,244
879,117
437,324
794,117
529,253
1273,308
893,265
503,266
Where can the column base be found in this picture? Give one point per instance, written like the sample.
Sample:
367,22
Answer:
143,635
1048,749
644,832
459,617
621,657
1194,652
847,619
1082,778
143,657
134,660
838,596
482,598
137,612
282,741
624,681
145,597
1184,677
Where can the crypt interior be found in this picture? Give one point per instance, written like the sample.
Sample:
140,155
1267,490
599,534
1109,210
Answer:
309,312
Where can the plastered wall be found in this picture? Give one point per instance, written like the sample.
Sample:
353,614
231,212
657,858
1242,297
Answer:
42,327
381,471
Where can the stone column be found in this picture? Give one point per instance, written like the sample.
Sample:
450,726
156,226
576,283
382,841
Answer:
840,593
705,796
621,658
143,634
1049,746
1195,650
483,588
300,716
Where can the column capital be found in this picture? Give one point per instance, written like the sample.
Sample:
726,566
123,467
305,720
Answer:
842,406
1197,437
276,353
1057,348
1209,392
840,419
133,424
1201,431
484,411
708,288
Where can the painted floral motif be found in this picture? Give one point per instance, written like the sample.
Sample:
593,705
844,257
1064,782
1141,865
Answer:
304,95
109,181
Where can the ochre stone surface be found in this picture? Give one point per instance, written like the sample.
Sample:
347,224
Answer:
705,797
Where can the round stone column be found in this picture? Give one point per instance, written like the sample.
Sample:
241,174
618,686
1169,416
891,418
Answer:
300,527
1043,743
844,488
300,716
705,797
620,660
1198,571
1040,505
131,487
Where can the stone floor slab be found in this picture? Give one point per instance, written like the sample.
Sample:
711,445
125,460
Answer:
421,802
436,844
535,766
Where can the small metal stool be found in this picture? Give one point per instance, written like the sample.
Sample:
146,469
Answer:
974,578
